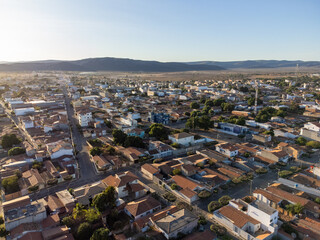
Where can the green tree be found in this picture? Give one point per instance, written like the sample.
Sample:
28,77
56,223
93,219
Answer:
227,107
10,184
101,234
158,131
92,215
8,140
3,231
37,165
110,150
16,151
119,137
176,171
204,122
194,105
105,200
212,206
95,151
68,221
192,123
209,103
313,144
84,231
108,123
174,186
218,102
79,212
301,141
224,200
133,141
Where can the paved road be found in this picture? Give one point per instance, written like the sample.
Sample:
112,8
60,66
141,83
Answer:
86,167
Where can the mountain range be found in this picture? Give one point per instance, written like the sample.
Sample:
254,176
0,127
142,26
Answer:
131,65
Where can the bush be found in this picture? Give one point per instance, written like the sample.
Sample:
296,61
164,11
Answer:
1,220
3,231
204,194
224,200
92,215
317,200
52,182
219,230
157,160
202,220
33,188
295,169
174,186
95,151
176,171
285,173
16,151
214,205
175,145
313,144
184,205
67,178
95,143
170,197
100,234
261,170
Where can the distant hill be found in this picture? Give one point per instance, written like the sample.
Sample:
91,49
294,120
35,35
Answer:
259,64
106,64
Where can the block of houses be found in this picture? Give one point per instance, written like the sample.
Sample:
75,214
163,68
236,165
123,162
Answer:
172,223
184,139
227,149
142,207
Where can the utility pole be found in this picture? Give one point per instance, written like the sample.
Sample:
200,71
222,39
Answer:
251,187
256,98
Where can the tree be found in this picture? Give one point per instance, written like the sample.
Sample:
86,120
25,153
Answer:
204,122
16,151
212,206
313,144
251,101
110,150
158,131
79,212
92,215
224,200
133,141
10,184
241,121
100,234
301,141
194,105
175,145
218,102
174,186
105,200
202,220
317,200
95,151
68,221
227,107
243,89
119,137
108,123
37,165
3,231
192,123
8,140
209,103
84,231
176,171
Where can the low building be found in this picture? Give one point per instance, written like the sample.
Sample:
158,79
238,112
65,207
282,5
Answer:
142,207
227,149
183,138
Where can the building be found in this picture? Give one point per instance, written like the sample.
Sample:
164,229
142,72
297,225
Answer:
184,139
84,116
311,130
142,207
162,118
275,155
227,149
170,224
59,149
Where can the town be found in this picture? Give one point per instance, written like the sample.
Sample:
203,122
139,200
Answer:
94,155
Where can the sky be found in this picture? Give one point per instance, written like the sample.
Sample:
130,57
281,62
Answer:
162,30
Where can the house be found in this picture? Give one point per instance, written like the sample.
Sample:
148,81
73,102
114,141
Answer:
311,130
170,224
133,153
158,149
31,178
227,149
149,171
275,155
183,138
122,182
161,117
101,163
188,170
86,193
262,138
233,129
136,132
142,207
59,149
293,150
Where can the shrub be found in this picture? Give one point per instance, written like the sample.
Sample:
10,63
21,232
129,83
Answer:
52,182
317,200
95,151
204,194
174,186
184,205
68,221
219,230
157,160
224,200
3,231
117,225
16,151
101,234
33,188
175,145
84,231
170,197
285,173
261,170
67,178
1,220
176,171
214,205
202,220
313,144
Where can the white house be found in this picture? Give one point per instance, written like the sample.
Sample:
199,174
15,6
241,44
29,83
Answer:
183,138
227,149
59,149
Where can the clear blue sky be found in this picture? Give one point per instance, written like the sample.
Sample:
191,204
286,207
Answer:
164,30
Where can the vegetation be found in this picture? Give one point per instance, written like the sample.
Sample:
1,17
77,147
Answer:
224,200
84,231
261,170
95,142
204,194
16,151
175,145
184,205
92,215
10,184
301,141
68,221
214,205
105,200
202,220
170,197
37,165
96,151
100,234
219,230
119,137
176,171
158,131
133,141
313,144
174,186
8,140
194,105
